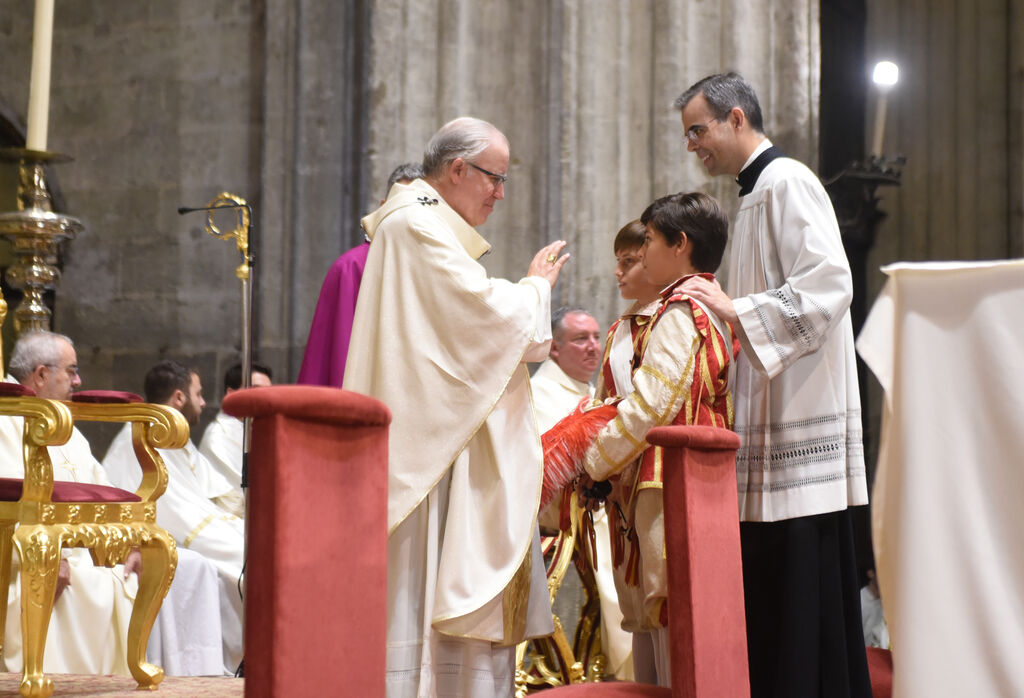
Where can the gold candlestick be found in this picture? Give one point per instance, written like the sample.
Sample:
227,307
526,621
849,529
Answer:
34,231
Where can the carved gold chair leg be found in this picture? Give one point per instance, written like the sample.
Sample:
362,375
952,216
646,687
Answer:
6,550
39,549
159,562
588,645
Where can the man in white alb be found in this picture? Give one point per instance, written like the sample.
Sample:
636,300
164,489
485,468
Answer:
222,441
197,508
89,626
564,378
801,461
444,346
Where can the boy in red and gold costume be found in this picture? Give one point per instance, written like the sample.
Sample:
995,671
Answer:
670,367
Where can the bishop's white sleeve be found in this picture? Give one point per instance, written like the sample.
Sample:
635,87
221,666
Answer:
540,342
662,384
784,323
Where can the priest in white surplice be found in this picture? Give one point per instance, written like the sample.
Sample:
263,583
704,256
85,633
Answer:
89,626
443,346
801,461
199,504
222,441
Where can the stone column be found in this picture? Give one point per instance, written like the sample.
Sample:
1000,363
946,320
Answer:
1015,154
312,175
583,89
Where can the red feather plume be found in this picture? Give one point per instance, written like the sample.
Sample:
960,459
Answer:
567,442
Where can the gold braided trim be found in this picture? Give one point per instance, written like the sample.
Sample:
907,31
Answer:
515,601
195,531
639,400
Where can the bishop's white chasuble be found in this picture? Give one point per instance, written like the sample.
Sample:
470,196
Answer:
443,346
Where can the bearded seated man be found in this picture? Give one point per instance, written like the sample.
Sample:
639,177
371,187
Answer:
199,504
88,629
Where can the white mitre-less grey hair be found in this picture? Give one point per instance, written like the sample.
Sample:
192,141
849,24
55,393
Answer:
558,318
464,137
35,348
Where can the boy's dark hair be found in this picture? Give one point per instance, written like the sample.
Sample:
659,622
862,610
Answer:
233,376
630,236
700,217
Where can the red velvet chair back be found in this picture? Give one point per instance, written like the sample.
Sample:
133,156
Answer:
316,587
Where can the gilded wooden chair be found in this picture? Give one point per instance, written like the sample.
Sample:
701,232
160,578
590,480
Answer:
551,661
39,517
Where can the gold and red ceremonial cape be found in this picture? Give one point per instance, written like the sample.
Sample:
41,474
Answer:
680,370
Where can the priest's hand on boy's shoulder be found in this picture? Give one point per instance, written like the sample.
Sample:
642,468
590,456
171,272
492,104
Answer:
710,293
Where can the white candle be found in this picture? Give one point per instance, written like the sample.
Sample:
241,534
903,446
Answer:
39,87
885,75
876,146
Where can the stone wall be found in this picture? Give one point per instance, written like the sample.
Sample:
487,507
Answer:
154,101
957,114
304,106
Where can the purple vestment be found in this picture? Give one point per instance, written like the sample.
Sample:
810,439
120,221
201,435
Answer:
327,346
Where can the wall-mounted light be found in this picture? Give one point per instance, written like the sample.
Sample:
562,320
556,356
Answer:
885,76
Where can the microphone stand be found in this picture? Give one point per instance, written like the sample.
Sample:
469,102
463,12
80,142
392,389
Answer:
242,234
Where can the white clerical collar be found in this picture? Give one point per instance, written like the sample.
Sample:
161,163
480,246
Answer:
419,192
761,147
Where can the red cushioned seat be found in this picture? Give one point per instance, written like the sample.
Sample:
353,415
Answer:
10,488
880,670
10,491
15,390
105,520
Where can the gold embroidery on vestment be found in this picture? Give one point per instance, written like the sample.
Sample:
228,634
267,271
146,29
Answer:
195,531
515,602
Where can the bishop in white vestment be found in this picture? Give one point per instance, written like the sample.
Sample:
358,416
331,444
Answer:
443,346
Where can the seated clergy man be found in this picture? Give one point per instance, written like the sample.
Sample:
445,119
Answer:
89,627
222,442
564,378
189,509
